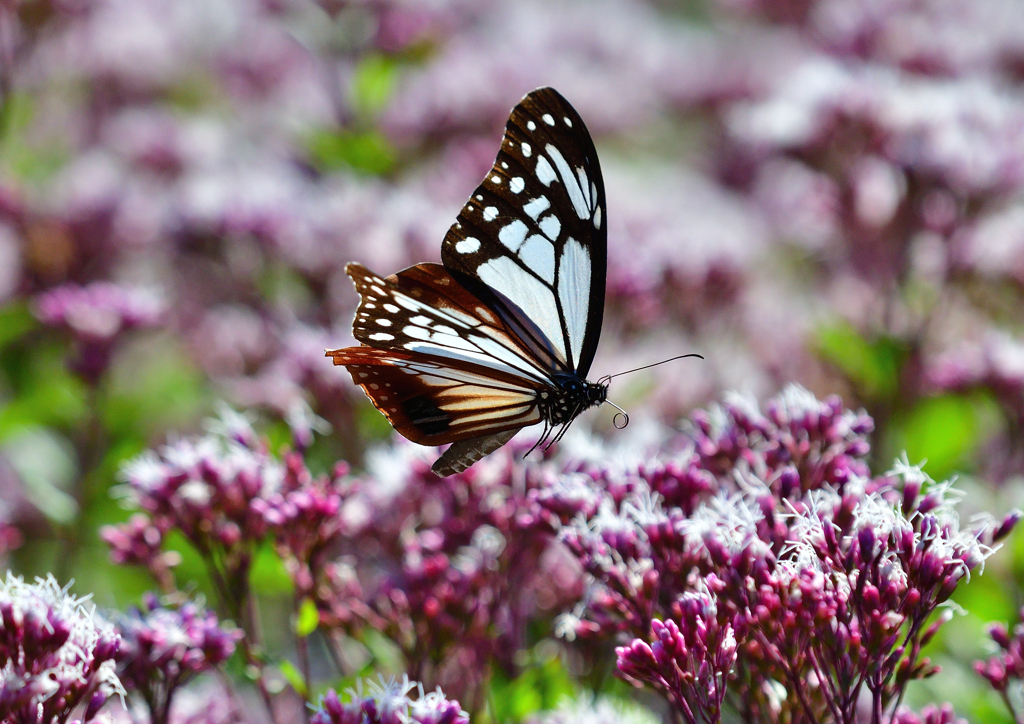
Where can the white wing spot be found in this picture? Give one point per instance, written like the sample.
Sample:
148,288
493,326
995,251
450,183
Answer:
391,308
512,236
485,313
467,245
597,218
415,333
504,165
531,125
545,174
384,322
533,297
479,197
527,150
374,386
490,213
567,121
382,337
551,226
539,255
581,174
574,292
378,290
548,119
421,320
496,179
536,207
572,186
370,305
516,185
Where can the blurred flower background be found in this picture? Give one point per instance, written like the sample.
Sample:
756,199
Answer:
826,192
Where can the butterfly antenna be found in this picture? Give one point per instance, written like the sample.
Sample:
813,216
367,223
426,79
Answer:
607,378
621,418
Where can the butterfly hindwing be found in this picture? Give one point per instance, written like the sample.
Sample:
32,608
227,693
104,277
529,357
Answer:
532,240
434,402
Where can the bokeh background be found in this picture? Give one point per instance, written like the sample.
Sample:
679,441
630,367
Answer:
820,191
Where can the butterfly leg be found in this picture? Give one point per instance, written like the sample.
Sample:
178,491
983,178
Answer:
541,440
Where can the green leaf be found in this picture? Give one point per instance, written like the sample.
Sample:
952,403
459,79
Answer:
541,686
294,677
268,574
366,151
47,394
872,365
307,619
373,83
16,321
943,430
26,158
153,387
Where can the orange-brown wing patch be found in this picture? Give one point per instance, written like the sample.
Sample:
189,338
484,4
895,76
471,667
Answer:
435,402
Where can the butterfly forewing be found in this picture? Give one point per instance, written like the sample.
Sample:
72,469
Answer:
423,309
531,241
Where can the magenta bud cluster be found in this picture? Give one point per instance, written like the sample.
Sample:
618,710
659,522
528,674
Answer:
389,702
56,654
771,557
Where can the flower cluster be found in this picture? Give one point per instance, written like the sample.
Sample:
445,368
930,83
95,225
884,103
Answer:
817,572
591,710
96,316
212,490
388,702
56,654
450,569
689,665
1005,669
164,647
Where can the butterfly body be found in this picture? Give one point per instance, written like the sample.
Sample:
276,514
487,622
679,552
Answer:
568,397
501,335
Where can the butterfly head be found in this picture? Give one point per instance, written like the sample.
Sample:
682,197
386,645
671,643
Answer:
571,396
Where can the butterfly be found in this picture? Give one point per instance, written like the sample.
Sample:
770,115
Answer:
502,333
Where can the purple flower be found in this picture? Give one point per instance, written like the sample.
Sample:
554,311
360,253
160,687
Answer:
162,648
388,702
930,714
55,653
100,311
96,316
817,571
208,488
588,710
450,569
213,490
1004,670
689,661
139,543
